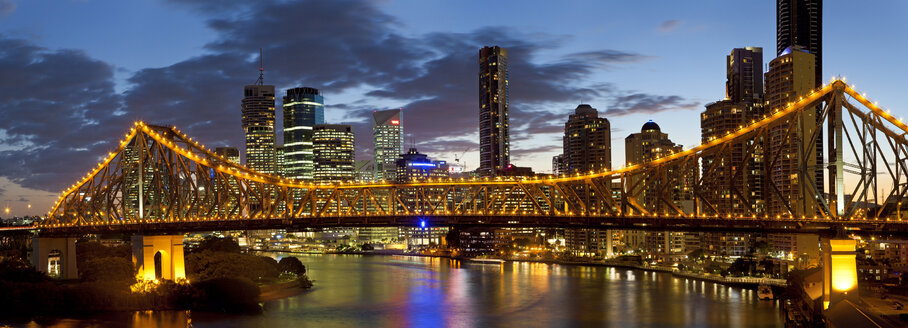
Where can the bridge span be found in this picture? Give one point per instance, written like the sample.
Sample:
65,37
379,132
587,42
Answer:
762,177
158,179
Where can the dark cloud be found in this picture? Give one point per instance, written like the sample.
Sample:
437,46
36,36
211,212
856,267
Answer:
23,200
669,26
59,111
642,103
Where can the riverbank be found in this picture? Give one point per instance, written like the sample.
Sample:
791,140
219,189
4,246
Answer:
746,282
281,290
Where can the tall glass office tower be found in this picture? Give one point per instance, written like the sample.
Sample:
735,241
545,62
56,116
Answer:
303,109
387,142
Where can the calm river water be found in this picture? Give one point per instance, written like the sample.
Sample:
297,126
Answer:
401,291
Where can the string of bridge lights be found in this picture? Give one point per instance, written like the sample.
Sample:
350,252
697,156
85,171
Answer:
225,166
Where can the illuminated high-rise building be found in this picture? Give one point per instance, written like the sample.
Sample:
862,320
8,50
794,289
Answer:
799,25
280,168
417,166
333,148
650,144
304,108
744,73
230,153
791,76
743,103
258,125
587,141
494,142
387,143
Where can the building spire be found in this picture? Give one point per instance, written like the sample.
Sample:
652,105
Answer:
261,80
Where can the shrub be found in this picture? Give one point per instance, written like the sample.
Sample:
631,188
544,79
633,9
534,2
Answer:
209,265
291,265
109,269
15,269
86,250
217,244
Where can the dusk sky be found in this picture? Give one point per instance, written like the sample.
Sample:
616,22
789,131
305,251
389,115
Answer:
74,75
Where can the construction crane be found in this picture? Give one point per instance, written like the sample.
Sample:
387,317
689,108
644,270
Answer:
457,158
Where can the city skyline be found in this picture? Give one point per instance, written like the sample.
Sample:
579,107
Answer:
542,115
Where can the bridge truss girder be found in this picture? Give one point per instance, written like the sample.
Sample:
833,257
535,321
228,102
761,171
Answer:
158,174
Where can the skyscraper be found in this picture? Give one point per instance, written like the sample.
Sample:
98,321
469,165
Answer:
791,76
387,143
744,73
258,125
333,149
799,23
587,141
494,143
737,173
280,167
303,109
417,166
650,144
230,153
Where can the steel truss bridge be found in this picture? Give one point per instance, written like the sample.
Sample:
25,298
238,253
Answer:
159,180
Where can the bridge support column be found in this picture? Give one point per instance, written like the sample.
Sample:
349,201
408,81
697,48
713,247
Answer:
55,256
840,273
158,257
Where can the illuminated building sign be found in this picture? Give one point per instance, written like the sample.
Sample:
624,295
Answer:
395,122
422,164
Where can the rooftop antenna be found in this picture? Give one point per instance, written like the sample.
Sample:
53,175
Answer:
261,80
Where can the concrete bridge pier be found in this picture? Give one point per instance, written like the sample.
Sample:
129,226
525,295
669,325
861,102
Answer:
158,257
840,273
55,256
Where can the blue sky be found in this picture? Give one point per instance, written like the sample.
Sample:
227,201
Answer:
185,62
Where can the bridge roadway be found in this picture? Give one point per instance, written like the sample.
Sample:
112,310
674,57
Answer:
825,227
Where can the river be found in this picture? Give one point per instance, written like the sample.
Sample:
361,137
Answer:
403,291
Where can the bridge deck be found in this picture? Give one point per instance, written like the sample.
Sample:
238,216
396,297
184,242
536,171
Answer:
758,225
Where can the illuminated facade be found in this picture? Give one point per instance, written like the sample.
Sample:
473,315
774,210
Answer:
417,166
230,153
494,143
303,109
281,165
364,171
258,125
387,143
740,169
651,143
791,76
333,147
587,242
587,142
799,23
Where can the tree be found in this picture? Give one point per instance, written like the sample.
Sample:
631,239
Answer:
217,244
87,250
208,265
453,238
761,247
15,269
109,269
291,265
697,254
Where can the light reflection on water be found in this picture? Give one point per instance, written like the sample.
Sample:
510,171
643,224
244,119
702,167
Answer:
399,291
